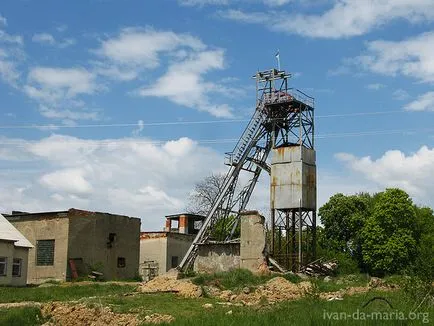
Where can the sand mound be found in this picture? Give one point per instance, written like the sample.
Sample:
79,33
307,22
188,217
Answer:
78,314
275,290
169,284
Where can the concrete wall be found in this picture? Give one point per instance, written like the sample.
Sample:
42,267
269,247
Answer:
214,258
252,241
89,243
177,246
45,227
153,247
162,246
249,253
7,251
23,254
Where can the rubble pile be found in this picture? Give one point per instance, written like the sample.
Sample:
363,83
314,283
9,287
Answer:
79,314
275,290
166,283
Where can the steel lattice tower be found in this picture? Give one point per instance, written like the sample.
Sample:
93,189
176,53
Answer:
283,122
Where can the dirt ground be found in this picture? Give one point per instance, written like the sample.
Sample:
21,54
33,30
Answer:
164,283
64,314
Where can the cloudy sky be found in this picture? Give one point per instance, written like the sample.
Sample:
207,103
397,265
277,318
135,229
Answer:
121,106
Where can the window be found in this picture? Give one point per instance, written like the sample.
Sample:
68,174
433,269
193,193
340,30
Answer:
3,266
16,267
174,261
121,262
44,252
111,239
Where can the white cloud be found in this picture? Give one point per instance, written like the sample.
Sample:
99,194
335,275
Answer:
67,81
71,181
375,87
9,72
43,38
346,18
271,3
57,89
184,84
412,57
424,102
188,60
400,95
133,176
140,126
67,114
203,2
3,21
48,39
411,172
141,47
8,38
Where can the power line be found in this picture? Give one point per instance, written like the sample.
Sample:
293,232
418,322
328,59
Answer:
172,123
20,143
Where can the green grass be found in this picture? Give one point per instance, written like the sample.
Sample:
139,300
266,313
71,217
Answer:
61,293
307,311
21,317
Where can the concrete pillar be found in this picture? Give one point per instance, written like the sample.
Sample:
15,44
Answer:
252,241
168,225
183,224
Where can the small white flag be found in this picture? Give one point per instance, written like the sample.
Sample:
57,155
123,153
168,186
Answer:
278,59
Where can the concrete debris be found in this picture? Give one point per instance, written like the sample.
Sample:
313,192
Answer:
64,314
207,306
229,312
320,268
275,290
327,279
246,290
165,283
158,319
212,291
375,282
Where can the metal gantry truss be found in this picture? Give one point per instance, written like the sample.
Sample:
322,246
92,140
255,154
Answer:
283,116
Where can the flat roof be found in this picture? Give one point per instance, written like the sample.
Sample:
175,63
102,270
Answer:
18,214
194,216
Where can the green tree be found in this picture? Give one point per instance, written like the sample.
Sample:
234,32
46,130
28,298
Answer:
424,262
343,217
390,235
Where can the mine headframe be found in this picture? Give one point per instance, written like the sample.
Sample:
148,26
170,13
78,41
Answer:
283,117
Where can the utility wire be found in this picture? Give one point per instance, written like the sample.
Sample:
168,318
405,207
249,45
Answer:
134,141
173,123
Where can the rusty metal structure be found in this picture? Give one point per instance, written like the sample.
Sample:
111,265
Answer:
282,124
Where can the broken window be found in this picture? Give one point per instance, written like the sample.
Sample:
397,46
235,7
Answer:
174,261
16,267
44,252
111,239
121,262
3,266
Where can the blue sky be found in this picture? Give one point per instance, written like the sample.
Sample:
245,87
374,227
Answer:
87,86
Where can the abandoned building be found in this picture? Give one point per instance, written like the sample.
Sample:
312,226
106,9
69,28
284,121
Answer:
163,250
14,253
249,252
73,243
